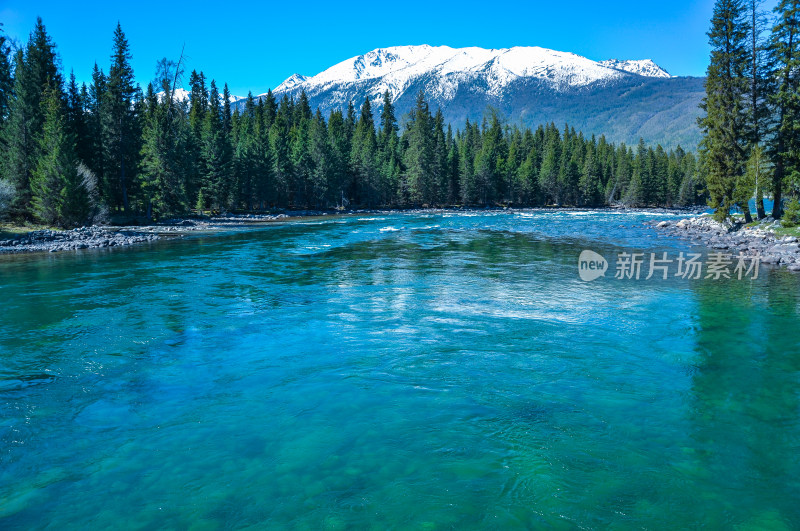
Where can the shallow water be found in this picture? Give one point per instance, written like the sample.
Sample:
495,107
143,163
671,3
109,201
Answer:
423,371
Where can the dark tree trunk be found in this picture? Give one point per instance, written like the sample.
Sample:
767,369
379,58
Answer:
748,218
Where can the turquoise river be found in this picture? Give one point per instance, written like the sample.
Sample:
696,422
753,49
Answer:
399,371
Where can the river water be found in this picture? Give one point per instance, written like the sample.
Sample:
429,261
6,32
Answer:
407,371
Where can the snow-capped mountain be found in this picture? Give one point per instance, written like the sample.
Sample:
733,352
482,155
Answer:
397,68
624,100
645,67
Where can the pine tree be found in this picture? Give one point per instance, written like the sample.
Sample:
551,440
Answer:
165,137
281,151
792,215
6,77
420,153
690,192
467,185
216,155
591,179
453,194
35,70
635,192
363,158
245,192
757,109
551,162
389,146
320,150
784,63
490,163
120,143
724,124
340,158
76,118
198,107
302,162
93,148
58,197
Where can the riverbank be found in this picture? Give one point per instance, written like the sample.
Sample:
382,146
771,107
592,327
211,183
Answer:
763,239
103,236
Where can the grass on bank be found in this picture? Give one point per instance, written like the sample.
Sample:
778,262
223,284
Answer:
787,231
10,229
777,230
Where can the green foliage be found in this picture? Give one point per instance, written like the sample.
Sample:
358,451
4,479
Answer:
6,76
166,136
784,61
724,124
791,217
120,138
58,197
35,69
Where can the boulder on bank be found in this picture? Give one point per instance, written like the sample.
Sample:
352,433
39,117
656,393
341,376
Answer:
739,239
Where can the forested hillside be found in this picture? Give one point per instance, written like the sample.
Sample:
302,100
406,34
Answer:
76,154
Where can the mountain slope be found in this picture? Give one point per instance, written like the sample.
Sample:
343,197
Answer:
621,99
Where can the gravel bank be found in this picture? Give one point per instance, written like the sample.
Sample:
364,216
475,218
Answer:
737,239
106,236
82,238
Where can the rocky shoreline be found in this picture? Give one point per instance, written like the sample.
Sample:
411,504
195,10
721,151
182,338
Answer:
736,239
729,238
82,238
102,236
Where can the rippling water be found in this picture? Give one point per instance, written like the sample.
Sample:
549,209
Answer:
396,371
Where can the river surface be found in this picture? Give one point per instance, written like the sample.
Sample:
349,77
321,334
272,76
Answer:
400,371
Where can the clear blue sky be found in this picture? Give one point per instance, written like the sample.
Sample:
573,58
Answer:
256,45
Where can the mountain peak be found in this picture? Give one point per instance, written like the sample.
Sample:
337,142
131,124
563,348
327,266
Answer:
398,67
293,81
644,67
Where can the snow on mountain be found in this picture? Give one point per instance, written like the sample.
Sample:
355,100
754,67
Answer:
623,100
397,68
181,95
292,82
645,67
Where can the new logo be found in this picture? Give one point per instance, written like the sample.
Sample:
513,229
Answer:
591,266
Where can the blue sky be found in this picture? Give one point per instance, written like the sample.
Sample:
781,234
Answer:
256,45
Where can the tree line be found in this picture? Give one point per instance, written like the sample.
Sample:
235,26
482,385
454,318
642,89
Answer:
78,154
751,126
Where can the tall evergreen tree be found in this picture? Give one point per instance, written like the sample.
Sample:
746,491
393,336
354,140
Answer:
36,69
95,108
363,158
165,137
784,62
419,156
724,124
216,156
757,111
490,163
320,151
6,77
58,196
340,158
120,143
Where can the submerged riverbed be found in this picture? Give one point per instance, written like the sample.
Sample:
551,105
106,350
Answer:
427,371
